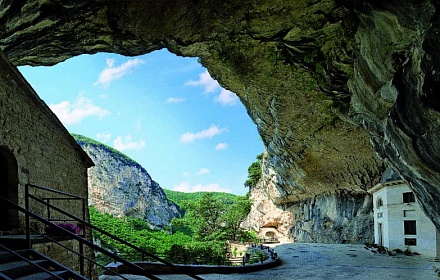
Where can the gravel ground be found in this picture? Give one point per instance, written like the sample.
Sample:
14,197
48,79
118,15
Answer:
331,261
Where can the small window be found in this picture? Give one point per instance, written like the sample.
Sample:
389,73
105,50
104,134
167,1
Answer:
409,227
411,241
408,197
409,214
379,202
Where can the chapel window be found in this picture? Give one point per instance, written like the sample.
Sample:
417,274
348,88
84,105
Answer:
410,241
409,227
379,202
408,197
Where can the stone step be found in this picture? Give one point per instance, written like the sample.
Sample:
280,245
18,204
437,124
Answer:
43,275
16,269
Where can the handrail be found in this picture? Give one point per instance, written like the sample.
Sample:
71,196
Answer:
79,239
73,251
55,191
30,262
67,196
85,223
176,268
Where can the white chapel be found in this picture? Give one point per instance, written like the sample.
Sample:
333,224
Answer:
399,222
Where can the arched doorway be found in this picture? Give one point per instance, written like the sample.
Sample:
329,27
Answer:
270,235
8,188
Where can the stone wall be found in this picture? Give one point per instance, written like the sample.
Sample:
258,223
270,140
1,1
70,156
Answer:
45,153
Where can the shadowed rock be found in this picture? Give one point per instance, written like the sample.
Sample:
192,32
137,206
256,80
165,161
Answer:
321,79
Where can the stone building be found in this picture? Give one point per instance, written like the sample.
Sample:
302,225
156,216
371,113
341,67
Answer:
269,232
35,148
399,222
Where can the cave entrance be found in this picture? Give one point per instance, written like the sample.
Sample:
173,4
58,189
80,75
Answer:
8,189
164,111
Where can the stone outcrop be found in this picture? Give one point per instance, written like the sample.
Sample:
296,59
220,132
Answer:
321,79
121,187
342,217
334,218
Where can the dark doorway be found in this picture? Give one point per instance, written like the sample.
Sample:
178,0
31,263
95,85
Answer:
8,189
380,233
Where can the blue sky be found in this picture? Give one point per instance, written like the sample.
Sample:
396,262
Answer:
164,111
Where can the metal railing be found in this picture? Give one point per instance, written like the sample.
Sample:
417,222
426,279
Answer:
62,196
29,261
254,254
87,226
71,236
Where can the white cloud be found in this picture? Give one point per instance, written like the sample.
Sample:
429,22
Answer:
210,85
202,171
174,100
187,187
205,80
103,137
212,131
226,97
221,146
74,112
127,144
111,73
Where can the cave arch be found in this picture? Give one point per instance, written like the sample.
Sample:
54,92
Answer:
239,45
8,188
270,235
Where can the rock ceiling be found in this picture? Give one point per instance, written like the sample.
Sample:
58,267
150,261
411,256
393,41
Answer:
338,89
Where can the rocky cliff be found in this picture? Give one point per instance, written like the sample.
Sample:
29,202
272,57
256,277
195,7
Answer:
343,217
328,83
121,187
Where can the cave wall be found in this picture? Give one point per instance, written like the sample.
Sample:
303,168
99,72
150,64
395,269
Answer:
394,92
334,218
323,80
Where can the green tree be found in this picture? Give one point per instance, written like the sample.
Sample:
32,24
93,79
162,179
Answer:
234,216
254,173
214,218
205,215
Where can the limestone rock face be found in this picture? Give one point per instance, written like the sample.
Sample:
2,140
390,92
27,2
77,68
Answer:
321,79
344,217
395,92
265,211
121,187
334,218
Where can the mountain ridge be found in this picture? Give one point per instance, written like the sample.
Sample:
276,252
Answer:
120,186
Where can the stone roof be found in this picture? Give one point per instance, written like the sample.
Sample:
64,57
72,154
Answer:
270,225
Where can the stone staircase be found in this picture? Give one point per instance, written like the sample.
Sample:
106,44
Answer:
31,265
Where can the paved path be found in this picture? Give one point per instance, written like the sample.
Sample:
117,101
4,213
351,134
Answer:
333,261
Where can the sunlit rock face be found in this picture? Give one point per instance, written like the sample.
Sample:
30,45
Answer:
122,188
338,217
322,80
